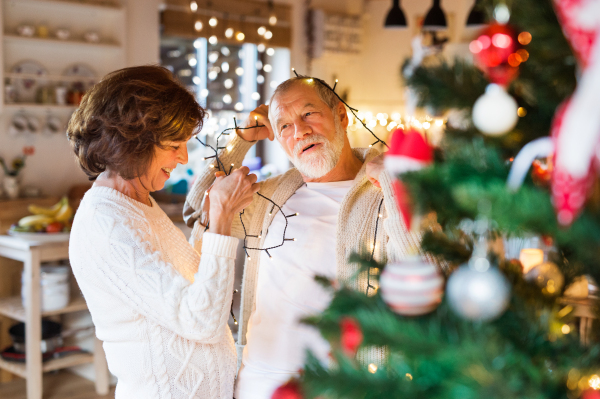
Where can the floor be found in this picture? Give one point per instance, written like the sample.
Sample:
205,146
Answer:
62,385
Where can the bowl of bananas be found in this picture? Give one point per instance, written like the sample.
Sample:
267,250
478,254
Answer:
45,224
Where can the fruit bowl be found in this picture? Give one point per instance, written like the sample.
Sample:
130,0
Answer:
45,224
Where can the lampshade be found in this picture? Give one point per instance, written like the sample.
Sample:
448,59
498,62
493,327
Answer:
435,18
476,16
395,18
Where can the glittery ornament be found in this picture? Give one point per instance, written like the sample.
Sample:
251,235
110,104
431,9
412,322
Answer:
548,277
412,287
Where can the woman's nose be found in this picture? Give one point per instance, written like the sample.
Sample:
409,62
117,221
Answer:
183,155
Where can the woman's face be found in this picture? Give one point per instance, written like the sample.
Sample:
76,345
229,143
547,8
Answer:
165,160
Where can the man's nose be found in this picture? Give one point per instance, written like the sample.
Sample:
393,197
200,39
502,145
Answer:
301,129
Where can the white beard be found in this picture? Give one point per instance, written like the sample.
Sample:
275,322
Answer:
320,161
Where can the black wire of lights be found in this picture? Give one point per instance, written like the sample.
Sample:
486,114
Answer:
221,167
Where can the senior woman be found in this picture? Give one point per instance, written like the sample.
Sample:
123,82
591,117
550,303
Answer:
159,303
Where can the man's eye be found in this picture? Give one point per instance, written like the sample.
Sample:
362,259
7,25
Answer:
308,113
175,147
284,126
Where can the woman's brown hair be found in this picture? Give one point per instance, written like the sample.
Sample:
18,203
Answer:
124,117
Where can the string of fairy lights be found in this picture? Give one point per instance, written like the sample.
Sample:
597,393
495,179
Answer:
220,166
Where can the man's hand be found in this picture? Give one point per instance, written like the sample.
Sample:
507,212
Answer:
374,169
259,116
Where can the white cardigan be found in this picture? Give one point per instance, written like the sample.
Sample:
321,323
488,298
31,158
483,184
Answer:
159,307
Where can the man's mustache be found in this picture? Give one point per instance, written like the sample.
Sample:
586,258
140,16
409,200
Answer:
311,139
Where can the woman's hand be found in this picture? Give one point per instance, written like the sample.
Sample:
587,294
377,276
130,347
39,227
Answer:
260,116
228,196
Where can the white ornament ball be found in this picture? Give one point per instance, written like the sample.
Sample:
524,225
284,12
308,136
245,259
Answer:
478,295
412,287
495,112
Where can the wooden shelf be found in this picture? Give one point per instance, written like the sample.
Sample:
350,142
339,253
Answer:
31,106
50,365
8,38
74,5
13,308
54,78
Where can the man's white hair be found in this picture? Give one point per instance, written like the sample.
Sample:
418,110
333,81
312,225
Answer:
323,90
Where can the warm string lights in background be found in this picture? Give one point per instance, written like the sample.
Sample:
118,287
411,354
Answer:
230,32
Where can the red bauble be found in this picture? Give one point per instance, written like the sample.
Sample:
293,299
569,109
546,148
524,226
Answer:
351,336
590,394
289,390
493,50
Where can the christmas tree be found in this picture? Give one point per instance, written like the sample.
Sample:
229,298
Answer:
505,326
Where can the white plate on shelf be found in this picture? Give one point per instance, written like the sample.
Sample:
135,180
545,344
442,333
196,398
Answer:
87,74
40,237
27,88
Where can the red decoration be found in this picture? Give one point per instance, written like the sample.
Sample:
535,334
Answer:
289,390
575,131
351,336
590,394
496,53
408,151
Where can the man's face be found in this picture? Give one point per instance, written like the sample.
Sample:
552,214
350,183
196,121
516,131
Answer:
311,135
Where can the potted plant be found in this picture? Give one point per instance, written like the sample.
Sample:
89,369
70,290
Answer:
11,173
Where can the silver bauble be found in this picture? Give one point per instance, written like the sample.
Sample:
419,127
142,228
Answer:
478,295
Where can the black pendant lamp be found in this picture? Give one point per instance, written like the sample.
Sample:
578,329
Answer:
476,16
395,18
435,18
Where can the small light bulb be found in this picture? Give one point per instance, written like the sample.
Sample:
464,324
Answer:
372,368
380,215
272,19
229,32
268,34
370,145
255,117
249,258
261,30
235,322
198,26
295,239
259,236
240,36
229,147
193,6
211,166
213,21
231,164
310,80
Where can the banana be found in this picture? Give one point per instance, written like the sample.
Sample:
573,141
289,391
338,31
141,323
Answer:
65,213
35,220
52,211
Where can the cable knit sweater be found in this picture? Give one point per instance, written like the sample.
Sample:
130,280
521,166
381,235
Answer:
159,306
355,229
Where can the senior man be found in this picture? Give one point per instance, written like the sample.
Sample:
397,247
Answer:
337,192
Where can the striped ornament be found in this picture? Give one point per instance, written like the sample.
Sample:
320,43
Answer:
412,287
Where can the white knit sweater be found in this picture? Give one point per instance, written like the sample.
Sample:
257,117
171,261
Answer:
160,308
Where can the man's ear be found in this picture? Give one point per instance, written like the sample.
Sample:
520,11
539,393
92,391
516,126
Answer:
342,114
